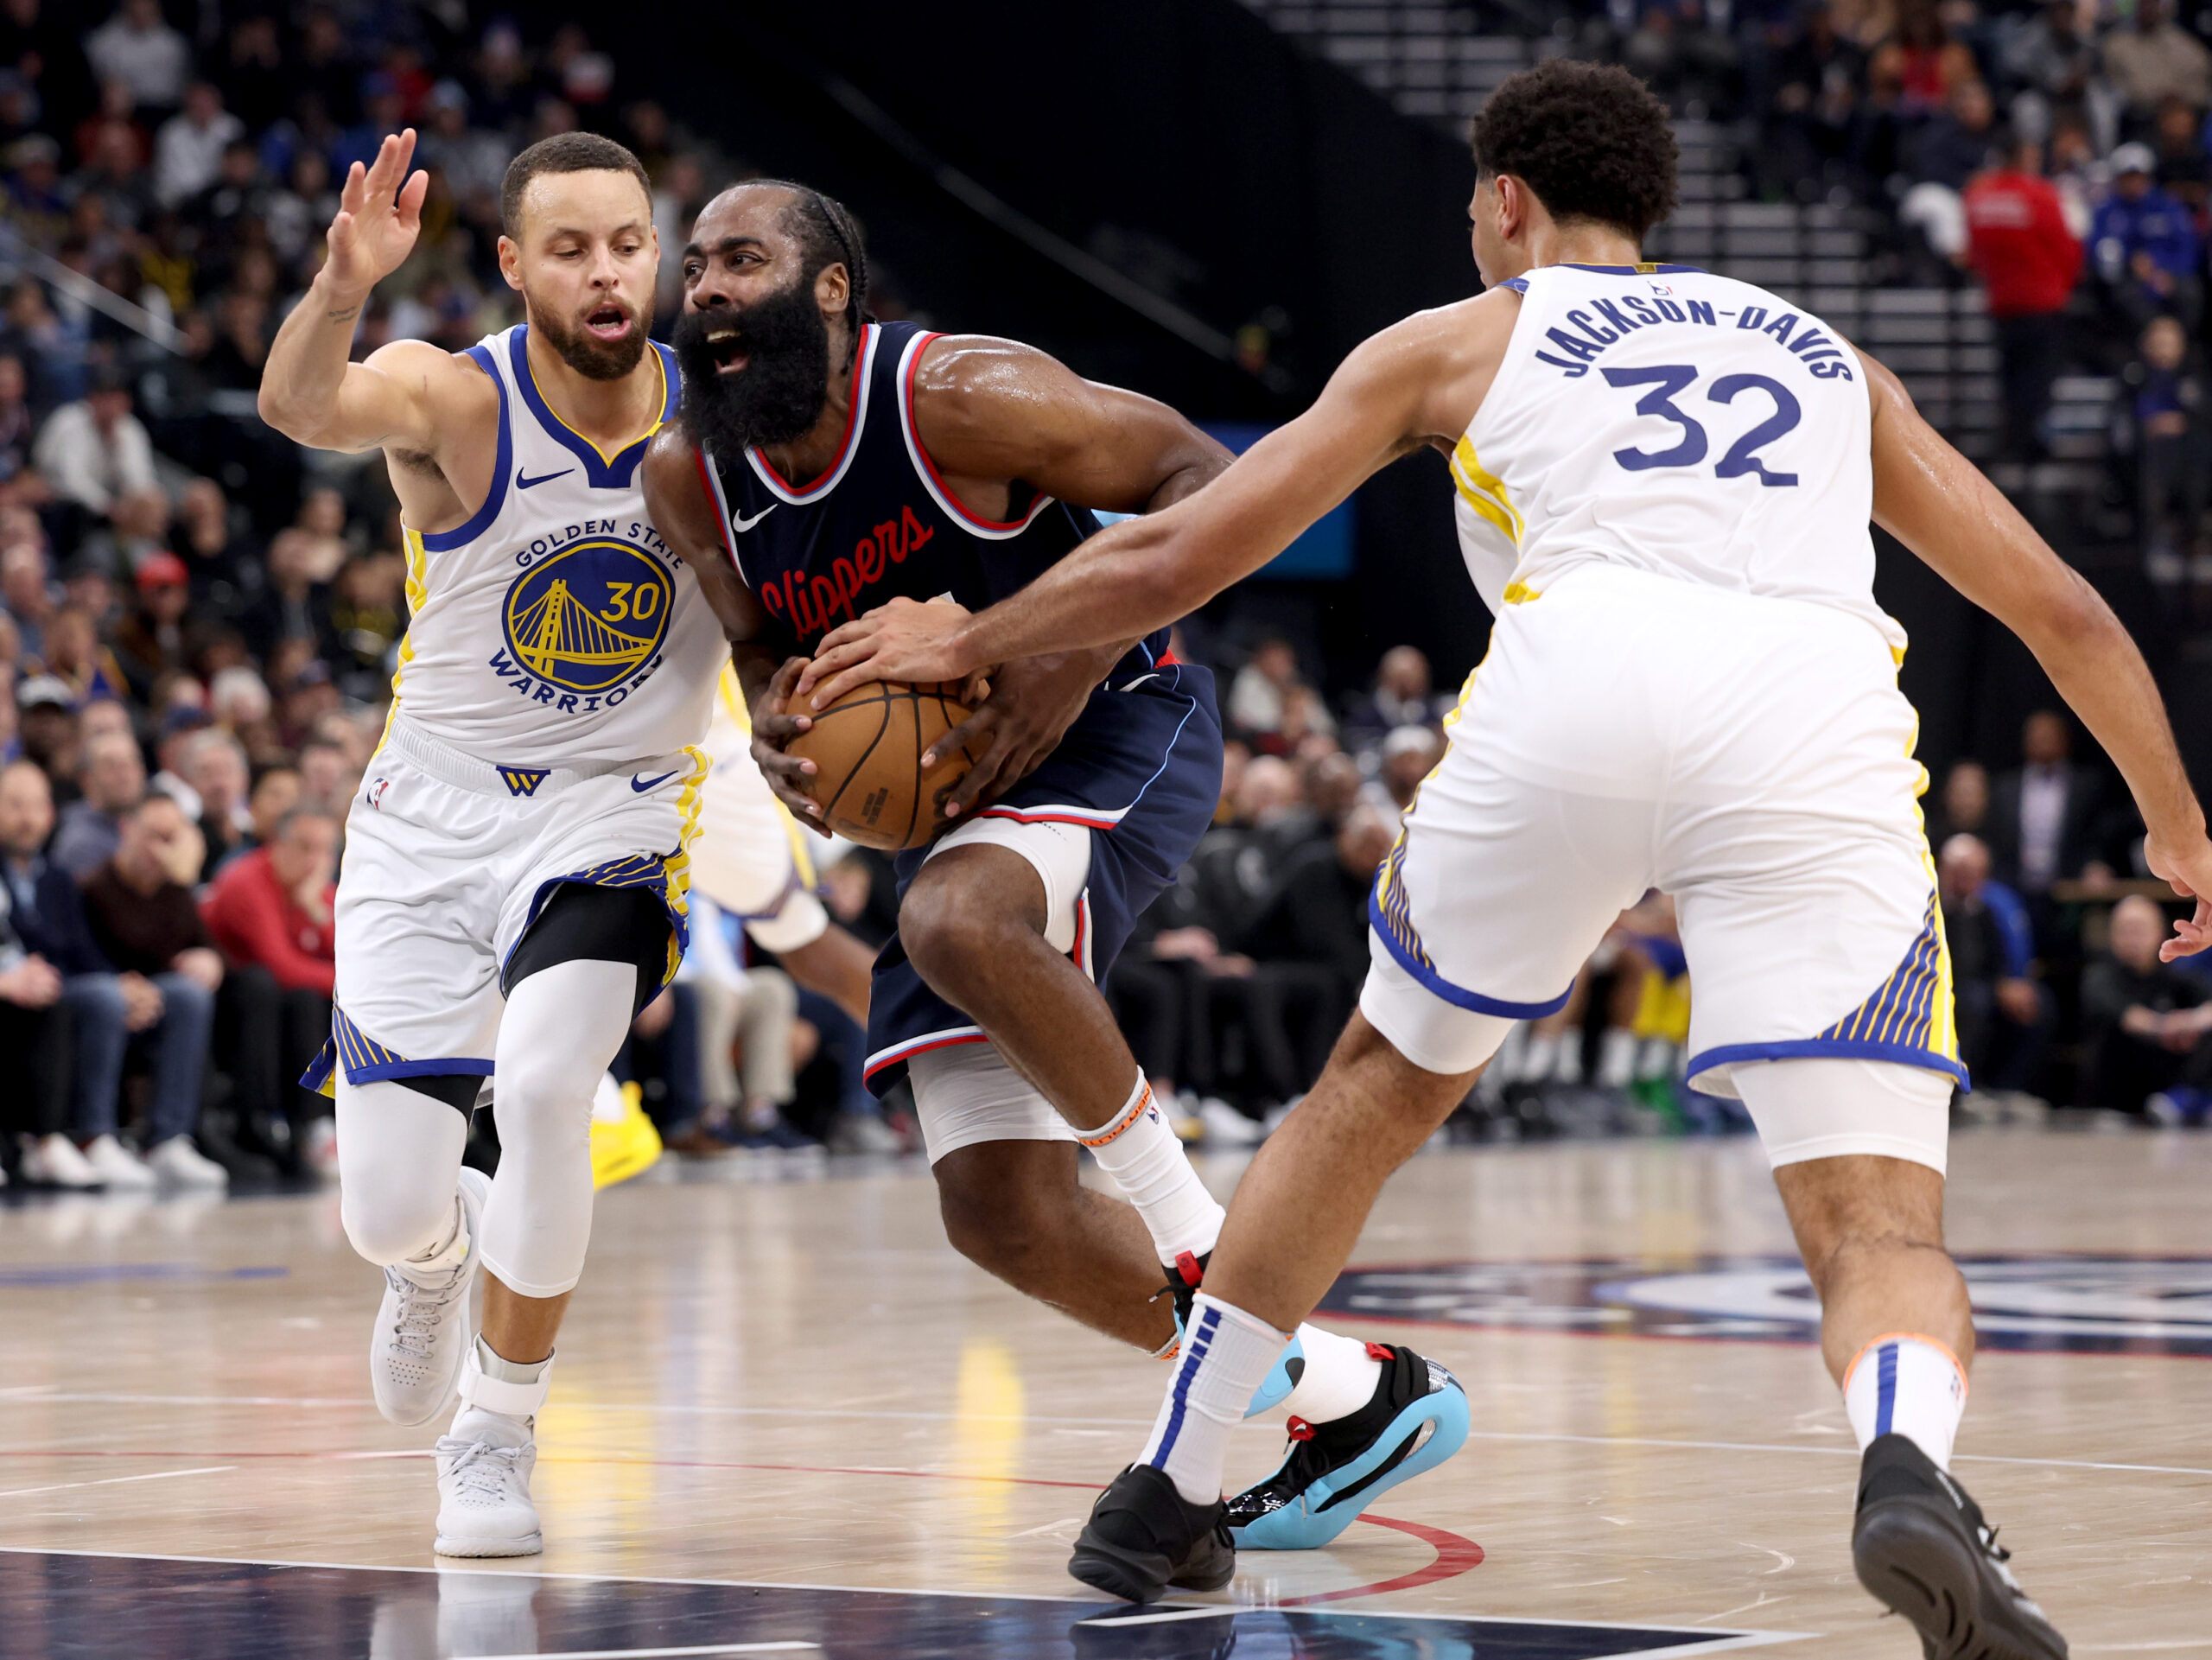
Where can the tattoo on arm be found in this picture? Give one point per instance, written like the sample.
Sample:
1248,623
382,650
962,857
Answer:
344,313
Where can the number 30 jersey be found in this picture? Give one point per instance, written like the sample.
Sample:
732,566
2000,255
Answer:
1671,421
556,627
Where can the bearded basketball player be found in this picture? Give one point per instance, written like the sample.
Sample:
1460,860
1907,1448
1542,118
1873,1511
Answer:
1664,479
515,873
825,462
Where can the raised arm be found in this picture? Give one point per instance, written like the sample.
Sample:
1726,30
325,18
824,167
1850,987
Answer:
1938,503
1416,384
309,391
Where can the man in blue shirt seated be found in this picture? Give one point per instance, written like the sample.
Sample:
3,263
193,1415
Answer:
2145,244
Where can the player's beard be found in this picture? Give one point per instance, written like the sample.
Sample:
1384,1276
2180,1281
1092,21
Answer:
780,393
591,358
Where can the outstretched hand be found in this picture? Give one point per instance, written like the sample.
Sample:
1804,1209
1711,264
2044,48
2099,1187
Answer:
904,639
2190,870
379,216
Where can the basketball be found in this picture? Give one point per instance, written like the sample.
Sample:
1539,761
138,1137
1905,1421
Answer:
867,746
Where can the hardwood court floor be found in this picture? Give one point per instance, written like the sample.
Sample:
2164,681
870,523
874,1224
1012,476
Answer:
796,1383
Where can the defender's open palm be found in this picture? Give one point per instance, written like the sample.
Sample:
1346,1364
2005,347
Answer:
379,216
2189,867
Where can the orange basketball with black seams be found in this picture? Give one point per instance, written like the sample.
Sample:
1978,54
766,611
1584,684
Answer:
866,749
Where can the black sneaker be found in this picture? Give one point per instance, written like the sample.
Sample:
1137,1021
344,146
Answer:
1921,1547
1143,1536
1416,1419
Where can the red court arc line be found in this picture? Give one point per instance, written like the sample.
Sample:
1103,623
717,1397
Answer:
1455,1553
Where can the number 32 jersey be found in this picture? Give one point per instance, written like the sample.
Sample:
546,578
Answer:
1671,421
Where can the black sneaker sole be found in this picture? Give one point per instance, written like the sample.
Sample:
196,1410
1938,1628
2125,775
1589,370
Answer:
1143,1576
1910,1555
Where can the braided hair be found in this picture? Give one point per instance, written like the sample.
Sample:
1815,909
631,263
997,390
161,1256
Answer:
831,235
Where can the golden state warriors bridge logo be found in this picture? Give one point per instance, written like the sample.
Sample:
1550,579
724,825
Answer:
586,622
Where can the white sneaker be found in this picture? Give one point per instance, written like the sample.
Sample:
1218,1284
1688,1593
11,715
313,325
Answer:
319,1148
1226,1127
179,1162
118,1166
484,1507
54,1161
424,1329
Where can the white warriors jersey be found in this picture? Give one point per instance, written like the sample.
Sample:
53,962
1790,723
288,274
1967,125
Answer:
1677,422
555,627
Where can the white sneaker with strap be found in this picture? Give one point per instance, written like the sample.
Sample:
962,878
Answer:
484,1464
424,1329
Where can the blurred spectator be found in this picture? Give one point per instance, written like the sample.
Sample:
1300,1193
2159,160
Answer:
2145,1020
1266,690
2153,59
1955,144
2184,171
214,769
34,1024
2018,244
2043,817
137,47
46,913
2051,58
329,777
2174,456
276,793
1409,754
142,917
2004,1015
269,913
295,605
1963,807
18,482
112,781
1814,125
149,642
2146,244
1402,696
1912,72
96,452
46,731
188,150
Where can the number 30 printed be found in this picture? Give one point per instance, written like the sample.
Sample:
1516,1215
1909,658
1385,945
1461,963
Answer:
1668,380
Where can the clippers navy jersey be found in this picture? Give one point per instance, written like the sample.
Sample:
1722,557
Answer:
1141,766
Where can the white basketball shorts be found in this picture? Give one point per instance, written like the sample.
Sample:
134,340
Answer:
448,859
751,858
1751,757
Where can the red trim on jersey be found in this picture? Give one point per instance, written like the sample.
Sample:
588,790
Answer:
852,416
714,505
1020,817
914,355
908,1054
1168,660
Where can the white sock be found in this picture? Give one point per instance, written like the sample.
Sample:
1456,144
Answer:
435,1262
1225,1356
1617,1059
1138,1148
1339,1378
1908,1385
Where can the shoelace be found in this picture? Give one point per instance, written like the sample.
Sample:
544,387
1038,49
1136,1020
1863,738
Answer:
420,1306
480,1469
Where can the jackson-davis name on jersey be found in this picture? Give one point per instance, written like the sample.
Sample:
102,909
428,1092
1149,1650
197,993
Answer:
585,618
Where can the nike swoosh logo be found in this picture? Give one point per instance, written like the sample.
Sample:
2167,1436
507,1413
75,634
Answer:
653,783
523,481
740,522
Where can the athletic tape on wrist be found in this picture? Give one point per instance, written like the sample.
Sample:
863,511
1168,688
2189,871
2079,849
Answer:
489,1393
1113,1127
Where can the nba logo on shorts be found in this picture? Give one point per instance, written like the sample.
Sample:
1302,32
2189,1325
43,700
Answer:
590,617
375,796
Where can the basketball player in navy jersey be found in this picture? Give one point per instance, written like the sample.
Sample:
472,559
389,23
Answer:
825,463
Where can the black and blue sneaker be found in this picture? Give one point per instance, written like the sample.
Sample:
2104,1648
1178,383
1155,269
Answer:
1921,1546
1332,1471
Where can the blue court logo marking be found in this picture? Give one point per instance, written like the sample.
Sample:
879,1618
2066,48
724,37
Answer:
523,482
2074,1303
643,785
589,617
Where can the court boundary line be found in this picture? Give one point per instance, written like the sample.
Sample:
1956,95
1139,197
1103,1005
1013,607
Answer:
1723,1640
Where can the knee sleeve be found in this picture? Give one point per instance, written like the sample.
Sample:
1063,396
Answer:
398,1167
562,1028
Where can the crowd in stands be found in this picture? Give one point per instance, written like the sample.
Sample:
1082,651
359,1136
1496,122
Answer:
198,621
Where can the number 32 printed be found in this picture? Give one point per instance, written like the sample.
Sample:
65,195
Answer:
1668,381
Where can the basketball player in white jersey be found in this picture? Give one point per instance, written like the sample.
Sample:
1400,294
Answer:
1664,480
515,867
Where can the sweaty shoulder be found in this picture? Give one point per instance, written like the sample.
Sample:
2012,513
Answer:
1442,361
675,495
